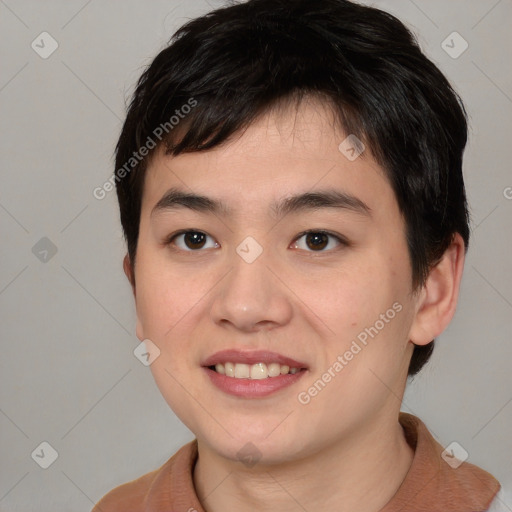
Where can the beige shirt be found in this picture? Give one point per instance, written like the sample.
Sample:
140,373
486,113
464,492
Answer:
431,484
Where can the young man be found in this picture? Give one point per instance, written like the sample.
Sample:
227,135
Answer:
290,184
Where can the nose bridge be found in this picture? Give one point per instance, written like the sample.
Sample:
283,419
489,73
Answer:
251,297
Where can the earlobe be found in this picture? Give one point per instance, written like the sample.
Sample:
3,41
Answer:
437,300
128,270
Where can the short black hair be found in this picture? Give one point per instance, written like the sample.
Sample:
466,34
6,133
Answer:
237,62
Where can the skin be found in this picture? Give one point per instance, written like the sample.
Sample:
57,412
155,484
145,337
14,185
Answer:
345,449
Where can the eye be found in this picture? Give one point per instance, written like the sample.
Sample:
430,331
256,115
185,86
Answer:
192,241
318,241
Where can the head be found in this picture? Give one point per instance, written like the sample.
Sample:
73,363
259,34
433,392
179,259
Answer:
269,119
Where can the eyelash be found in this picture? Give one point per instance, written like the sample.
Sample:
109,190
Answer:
169,241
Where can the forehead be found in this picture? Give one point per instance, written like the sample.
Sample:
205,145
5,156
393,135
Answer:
286,151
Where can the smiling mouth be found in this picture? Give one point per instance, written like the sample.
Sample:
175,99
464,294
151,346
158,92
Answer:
256,371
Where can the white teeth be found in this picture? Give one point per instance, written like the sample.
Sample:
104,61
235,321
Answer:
259,371
230,369
274,369
256,371
242,371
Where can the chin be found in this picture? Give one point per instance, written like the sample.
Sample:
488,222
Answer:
256,447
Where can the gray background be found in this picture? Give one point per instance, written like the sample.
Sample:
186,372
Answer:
68,373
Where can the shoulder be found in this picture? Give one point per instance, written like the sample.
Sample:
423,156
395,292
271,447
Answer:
157,489
438,477
128,497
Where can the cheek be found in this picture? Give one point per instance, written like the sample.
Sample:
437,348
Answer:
346,299
362,309
164,296
166,308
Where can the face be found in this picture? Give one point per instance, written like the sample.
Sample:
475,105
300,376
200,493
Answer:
279,249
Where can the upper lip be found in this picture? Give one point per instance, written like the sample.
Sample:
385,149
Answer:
251,357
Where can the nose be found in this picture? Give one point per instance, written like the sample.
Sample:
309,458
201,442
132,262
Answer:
251,298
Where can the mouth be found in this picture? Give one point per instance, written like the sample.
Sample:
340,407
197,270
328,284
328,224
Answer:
253,364
257,371
252,374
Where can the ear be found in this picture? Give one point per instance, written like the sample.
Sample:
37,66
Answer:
438,297
128,270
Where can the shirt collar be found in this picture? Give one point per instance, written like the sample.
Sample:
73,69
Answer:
430,485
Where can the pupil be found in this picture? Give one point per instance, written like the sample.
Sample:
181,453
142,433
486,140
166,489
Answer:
194,239
316,240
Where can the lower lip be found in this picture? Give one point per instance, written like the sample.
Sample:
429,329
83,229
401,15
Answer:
252,388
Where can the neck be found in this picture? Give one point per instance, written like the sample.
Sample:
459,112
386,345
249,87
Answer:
361,472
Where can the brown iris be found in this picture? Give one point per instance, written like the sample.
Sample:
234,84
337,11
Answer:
194,239
317,241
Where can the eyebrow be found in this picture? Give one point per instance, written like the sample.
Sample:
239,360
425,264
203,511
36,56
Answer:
175,198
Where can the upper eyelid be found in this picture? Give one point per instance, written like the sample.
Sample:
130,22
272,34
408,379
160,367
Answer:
322,231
